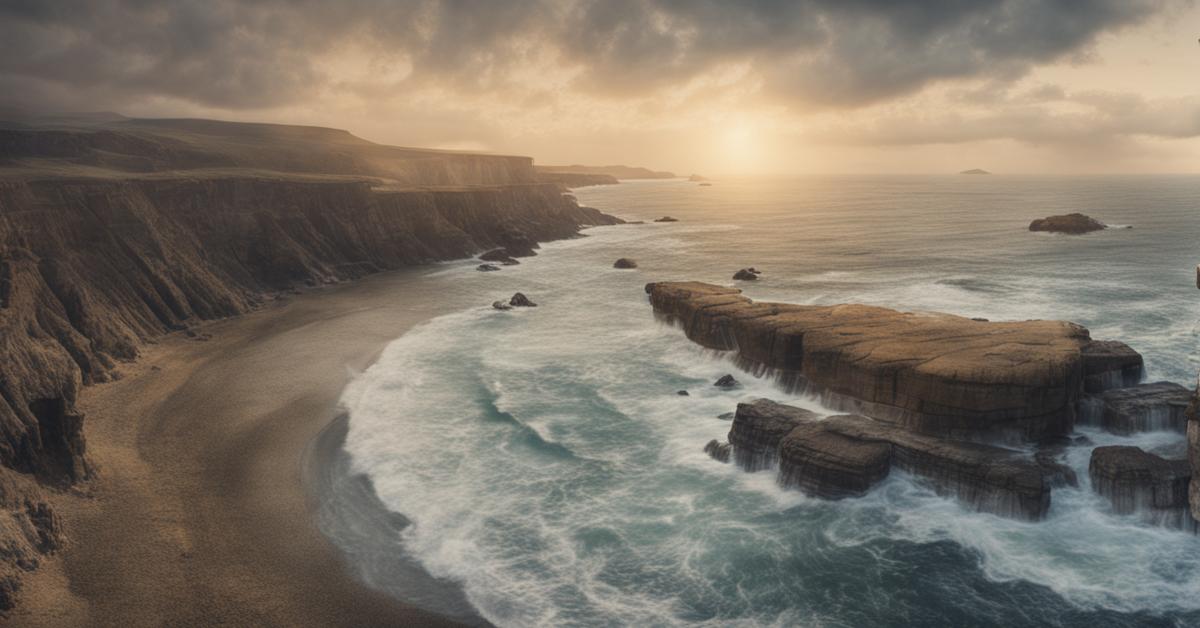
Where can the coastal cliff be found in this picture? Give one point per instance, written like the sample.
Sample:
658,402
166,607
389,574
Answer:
100,253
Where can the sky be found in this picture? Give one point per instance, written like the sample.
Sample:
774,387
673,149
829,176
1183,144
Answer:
704,86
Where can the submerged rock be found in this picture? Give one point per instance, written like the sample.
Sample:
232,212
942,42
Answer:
746,274
1141,408
1070,224
726,381
625,262
487,268
666,219
499,255
718,450
520,300
931,373
1134,480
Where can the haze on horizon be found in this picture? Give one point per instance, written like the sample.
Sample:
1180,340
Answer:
769,87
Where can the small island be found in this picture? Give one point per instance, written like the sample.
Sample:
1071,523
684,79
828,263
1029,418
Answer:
975,171
1070,224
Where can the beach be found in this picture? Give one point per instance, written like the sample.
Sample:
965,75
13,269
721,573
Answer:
201,512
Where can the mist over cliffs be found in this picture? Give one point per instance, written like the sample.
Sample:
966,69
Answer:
116,231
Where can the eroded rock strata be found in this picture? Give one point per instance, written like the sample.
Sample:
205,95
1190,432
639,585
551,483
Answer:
1141,408
845,456
934,374
1136,481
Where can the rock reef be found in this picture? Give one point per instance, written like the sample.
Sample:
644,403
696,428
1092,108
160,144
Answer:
934,374
1136,481
1070,224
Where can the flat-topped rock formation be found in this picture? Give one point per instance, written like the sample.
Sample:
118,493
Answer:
1135,481
1070,224
846,456
936,374
1141,408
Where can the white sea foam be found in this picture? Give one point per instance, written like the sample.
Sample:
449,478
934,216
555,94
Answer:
549,468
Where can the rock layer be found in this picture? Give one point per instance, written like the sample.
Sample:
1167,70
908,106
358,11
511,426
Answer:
935,374
845,456
1135,481
1142,408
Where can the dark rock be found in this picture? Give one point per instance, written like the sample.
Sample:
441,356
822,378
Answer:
1193,442
726,416
681,393
666,219
501,305
745,274
718,450
520,300
758,428
499,255
1109,364
936,374
625,262
1134,480
726,381
1071,224
1056,472
487,268
1141,408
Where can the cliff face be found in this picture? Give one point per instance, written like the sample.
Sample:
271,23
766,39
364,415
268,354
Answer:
92,267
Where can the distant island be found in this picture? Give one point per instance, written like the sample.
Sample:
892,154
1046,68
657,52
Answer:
975,171
618,172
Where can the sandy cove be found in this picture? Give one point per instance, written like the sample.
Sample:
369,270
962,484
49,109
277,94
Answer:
201,514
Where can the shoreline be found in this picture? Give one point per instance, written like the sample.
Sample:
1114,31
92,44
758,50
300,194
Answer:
204,506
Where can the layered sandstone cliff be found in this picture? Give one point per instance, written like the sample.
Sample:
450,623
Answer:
935,374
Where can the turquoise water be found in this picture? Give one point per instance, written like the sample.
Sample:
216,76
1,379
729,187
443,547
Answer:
549,472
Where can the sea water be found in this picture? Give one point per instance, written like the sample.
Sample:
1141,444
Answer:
547,471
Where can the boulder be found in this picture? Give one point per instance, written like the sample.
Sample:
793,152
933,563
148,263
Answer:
1071,224
745,274
501,305
718,450
726,381
520,300
487,268
936,374
625,263
1141,408
666,219
499,255
681,393
1134,480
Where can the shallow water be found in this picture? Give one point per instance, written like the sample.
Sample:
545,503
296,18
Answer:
549,471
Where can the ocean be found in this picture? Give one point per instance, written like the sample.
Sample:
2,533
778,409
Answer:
539,469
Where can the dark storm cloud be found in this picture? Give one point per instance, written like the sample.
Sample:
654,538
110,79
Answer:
260,53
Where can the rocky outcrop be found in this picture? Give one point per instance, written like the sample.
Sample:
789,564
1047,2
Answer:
1070,224
625,263
975,171
520,300
746,274
1136,481
499,255
1142,408
666,219
1109,364
726,381
845,456
935,374
616,172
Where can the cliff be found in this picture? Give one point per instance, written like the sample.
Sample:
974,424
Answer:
110,237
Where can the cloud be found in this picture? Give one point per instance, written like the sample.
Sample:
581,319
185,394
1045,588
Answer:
256,54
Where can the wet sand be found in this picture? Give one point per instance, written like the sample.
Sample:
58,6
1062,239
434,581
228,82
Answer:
202,512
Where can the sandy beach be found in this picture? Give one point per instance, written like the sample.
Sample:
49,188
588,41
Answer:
201,510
